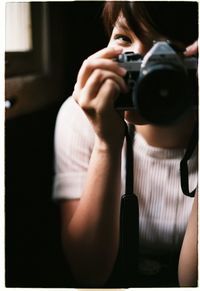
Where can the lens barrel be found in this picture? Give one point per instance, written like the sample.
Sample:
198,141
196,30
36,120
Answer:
161,94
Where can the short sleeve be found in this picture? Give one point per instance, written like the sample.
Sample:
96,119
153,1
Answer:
73,144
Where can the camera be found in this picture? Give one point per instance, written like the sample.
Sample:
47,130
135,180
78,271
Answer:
162,85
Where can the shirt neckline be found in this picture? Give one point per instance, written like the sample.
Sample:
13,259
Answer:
140,144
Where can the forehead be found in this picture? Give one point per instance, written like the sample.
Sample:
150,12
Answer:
121,22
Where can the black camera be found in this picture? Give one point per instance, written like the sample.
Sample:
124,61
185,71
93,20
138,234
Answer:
162,86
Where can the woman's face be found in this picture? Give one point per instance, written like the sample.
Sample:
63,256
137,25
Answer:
122,36
125,38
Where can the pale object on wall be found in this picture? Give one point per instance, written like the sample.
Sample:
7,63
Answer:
18,31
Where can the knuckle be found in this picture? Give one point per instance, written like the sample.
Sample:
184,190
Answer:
110,82
112,86
86,107
88,64
89,60
83,104
85,63
98,74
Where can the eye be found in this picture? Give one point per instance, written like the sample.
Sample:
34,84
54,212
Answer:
122,39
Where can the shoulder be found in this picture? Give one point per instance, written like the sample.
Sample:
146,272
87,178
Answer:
72,125
71,117
70,110
73,144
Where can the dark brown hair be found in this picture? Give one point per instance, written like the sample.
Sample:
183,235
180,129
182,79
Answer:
177,21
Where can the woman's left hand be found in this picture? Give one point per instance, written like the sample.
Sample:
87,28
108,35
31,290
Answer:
192,49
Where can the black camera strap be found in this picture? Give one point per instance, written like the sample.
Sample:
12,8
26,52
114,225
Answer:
184,166
124,273
129,221
129,134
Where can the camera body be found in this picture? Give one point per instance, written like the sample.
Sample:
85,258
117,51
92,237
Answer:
162,86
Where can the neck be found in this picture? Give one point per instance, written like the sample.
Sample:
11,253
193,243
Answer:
176,136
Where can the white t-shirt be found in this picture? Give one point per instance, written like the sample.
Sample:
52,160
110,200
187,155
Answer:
163,208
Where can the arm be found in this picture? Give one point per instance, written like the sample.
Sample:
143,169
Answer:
188,261
90,226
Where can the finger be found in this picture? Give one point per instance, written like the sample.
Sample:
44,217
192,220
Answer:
104,99
90,65
110,90
108,52
192,49
96,80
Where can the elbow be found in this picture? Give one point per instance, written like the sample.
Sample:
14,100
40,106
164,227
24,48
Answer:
87,273
90,269
90,279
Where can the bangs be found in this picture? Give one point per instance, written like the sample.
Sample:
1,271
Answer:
134,14
110,14
174,20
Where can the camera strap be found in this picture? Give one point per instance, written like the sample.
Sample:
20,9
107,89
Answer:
184,166
129,221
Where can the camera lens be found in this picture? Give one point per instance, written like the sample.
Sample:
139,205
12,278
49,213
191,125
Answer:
161,94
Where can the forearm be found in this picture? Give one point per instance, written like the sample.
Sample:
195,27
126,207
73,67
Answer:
92,236
188,262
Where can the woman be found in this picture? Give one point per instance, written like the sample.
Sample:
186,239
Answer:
89,148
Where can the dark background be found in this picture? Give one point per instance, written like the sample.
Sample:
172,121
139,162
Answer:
34,255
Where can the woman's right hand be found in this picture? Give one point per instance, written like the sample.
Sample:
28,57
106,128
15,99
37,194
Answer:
99,82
